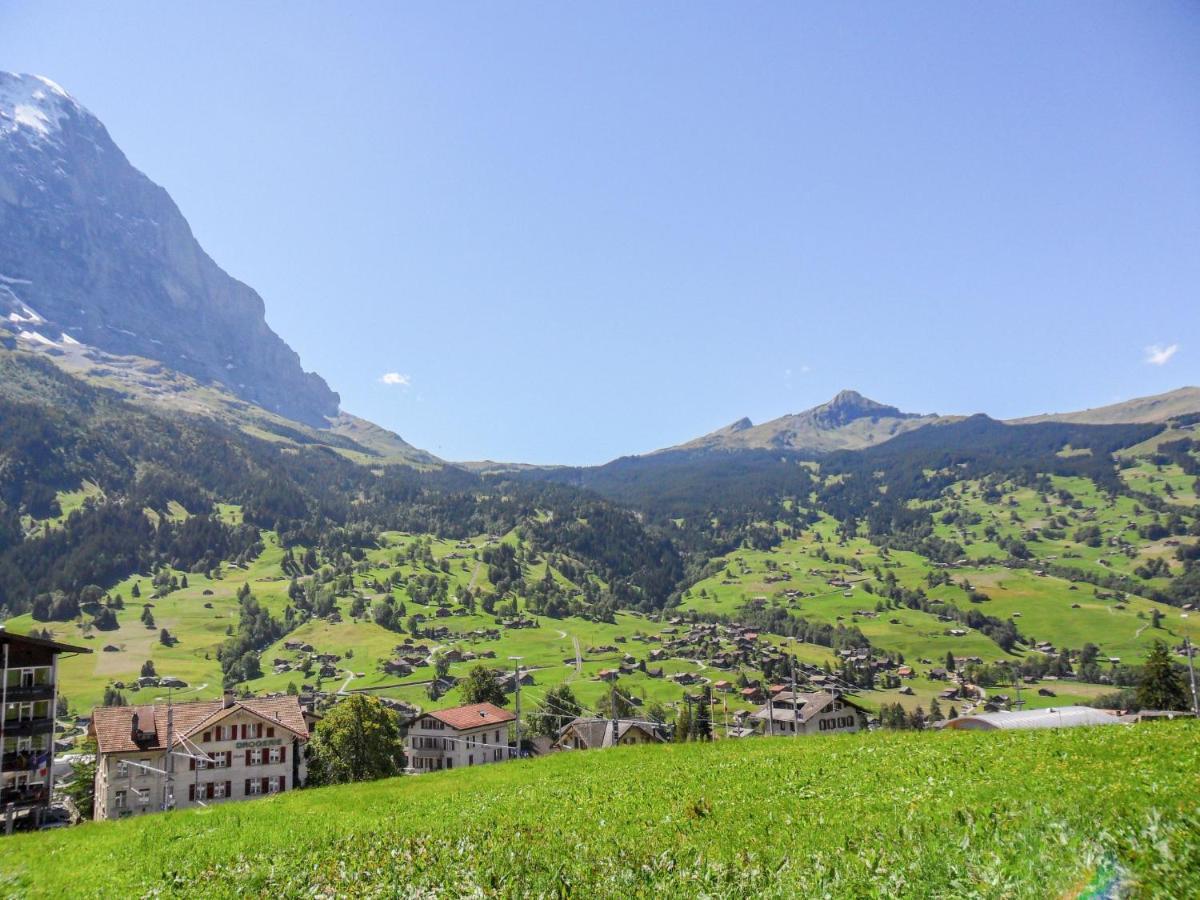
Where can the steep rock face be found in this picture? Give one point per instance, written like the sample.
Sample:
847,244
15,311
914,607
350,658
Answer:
93,252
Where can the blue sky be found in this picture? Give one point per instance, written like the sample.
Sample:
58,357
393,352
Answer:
573,232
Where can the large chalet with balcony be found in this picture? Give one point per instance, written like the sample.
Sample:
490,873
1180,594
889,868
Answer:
28,697
816,712
159,757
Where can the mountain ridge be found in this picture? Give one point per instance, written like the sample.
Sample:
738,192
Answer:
92,252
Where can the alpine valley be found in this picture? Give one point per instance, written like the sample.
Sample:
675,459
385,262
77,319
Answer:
176,490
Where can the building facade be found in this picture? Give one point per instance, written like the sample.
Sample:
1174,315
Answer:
817,712
160,757
456,738
594,733
28,699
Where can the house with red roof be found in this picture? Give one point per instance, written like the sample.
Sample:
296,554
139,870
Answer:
171,756
456,738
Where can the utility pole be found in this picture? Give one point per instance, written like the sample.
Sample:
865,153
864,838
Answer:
517,675
612,709
795,730
1187,646
169,784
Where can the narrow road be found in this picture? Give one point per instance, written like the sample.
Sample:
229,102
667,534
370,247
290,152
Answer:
346,683
475,575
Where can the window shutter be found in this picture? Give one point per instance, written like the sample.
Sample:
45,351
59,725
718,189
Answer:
271,732
209,788
192,765
247,787
247,757
265,784
243,731
283,754
191,793
228,757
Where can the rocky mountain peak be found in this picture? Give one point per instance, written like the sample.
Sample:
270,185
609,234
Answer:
94,254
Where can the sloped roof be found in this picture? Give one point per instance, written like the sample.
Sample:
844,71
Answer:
594,732
807,705
10,637
462,718
1052,717
113,725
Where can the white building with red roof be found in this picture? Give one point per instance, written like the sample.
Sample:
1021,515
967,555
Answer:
157,757
456,738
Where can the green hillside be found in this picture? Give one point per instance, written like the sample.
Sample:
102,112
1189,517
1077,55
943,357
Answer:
1013,814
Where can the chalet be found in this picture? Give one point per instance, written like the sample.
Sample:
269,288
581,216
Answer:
594,734
160,757
608,674
752,694
464,736
810,713
723,686
397,667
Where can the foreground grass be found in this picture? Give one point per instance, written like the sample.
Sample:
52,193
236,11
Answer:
950,814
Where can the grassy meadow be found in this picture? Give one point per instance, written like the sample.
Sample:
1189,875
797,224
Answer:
950,814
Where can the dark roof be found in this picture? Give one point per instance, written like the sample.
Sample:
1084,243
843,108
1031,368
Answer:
113,725
8,637
596,732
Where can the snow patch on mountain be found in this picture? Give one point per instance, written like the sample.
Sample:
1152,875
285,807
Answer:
33,106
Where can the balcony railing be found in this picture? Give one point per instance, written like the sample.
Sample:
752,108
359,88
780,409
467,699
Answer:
28,727
24,796
16,693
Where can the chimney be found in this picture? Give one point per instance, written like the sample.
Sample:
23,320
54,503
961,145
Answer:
227,700
133,729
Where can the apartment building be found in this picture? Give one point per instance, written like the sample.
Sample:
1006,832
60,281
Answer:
459,737
162,756
28,698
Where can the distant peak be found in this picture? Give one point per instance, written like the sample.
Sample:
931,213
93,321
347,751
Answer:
850,405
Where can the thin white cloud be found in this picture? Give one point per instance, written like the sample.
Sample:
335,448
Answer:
395,378
1160,356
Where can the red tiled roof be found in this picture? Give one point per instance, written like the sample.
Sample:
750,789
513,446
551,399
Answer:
113,725
462,718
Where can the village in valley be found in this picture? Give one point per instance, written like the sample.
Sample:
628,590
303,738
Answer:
823,632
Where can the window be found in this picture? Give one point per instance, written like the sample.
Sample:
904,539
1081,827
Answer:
273,785
207,737
221,760
270,732
119,801
253,786
276,755
218,792
256,757
122,770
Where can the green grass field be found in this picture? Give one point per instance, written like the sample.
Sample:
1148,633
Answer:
1000,814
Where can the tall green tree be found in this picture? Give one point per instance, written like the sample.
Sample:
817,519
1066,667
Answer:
481,686
1161,684
683,725
557,709
82,786
358,740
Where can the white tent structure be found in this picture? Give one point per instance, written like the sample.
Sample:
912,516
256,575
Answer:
1052,717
